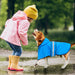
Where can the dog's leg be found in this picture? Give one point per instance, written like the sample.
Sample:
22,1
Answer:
47,60
66,60
42,62
46,63
36,64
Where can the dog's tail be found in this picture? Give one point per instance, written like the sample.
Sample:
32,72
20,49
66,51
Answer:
72,44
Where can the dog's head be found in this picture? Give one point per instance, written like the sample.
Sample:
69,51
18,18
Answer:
39,36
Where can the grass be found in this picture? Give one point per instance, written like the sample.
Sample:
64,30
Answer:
53,35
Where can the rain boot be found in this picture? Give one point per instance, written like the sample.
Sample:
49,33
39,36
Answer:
14,64
10,56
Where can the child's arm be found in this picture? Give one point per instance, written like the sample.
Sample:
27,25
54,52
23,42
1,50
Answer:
22,30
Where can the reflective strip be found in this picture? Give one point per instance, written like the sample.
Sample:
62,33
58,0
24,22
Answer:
53,49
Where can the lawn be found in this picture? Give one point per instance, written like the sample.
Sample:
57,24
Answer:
53,35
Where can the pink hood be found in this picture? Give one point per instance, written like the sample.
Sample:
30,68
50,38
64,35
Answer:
19,16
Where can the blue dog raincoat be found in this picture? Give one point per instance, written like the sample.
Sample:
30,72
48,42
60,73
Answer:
52,48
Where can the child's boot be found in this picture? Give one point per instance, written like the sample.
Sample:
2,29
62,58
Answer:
14,64
10,56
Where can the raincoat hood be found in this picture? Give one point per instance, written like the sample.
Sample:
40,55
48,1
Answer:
44,42
20,15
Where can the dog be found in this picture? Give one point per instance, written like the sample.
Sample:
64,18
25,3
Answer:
48,48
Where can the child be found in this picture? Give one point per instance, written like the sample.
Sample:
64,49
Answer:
15,31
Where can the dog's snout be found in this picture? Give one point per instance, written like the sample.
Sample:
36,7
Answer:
34,34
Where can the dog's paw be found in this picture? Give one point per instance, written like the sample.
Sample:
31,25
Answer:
64,66
35,66
46,66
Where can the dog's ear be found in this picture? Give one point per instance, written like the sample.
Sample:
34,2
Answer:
41,37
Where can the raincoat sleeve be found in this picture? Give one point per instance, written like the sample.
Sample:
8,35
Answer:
22,31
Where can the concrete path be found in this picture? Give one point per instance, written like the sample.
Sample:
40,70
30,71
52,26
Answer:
28,60
32,56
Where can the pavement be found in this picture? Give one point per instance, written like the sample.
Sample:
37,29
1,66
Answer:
30,58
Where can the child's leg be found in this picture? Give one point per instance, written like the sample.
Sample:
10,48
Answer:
17,50
12,47
10,57
15,58
14,64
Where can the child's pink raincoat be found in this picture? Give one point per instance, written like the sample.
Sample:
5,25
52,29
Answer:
16,29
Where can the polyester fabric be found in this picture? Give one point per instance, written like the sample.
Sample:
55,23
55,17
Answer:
16,29
52,48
